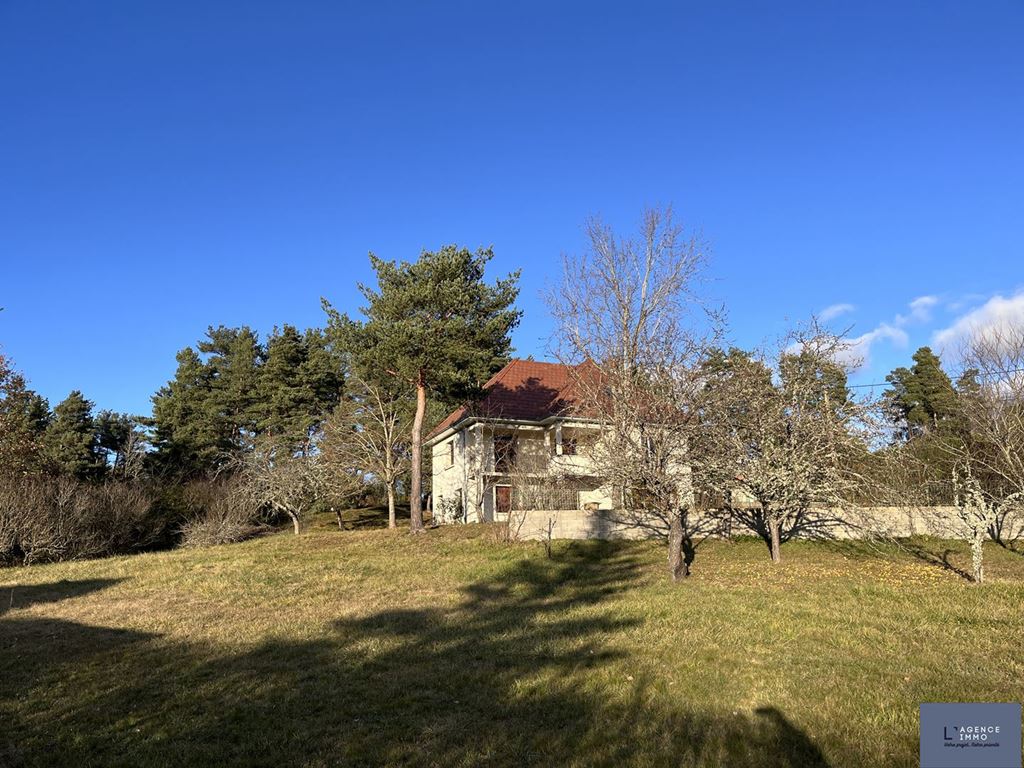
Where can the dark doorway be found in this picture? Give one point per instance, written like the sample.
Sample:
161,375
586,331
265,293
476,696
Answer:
502,499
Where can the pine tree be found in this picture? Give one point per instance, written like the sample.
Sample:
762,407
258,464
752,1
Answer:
70,442
286,403
208,414
323,372
922,398
298,384
185,439
120,439
231,390
24,416
435,325
234,356
828,380
922,404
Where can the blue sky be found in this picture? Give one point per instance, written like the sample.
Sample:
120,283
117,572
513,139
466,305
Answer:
164,167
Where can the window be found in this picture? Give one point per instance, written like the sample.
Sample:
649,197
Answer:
451,452
504,453
503,499
569,446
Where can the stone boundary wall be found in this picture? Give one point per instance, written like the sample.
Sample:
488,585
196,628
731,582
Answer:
859,522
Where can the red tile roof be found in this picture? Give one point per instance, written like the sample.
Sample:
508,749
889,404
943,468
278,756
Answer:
524,390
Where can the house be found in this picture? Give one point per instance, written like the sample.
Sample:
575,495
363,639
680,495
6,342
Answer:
520,449
520,455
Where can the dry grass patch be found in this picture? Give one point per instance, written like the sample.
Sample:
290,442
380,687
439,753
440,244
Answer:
369,647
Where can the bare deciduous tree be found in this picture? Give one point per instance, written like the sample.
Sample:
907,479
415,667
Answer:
368,434
988,479
792,434
221,511
631,321
282,482
536,485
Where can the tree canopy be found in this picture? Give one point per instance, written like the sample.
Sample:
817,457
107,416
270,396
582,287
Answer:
921,398
24,416
70,441
434,322
435,325
231,389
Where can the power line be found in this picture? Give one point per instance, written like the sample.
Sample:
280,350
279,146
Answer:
889,383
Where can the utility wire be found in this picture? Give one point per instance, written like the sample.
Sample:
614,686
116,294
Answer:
889,383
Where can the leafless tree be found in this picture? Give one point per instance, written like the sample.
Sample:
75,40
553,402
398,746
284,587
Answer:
123,519
367,434
53,527
503,460
536,486
792,435
632,322
130,462
988,479
220,511
283,482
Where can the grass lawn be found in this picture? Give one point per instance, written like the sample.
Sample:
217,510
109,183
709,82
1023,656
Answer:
370,647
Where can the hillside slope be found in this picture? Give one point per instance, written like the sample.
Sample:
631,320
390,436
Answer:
377,648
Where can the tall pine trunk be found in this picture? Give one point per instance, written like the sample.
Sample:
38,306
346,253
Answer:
775,543
392,523
416,483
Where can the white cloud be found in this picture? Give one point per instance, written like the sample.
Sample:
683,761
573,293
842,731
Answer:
920,310
996,313
923,303
964,301
834,311
857,353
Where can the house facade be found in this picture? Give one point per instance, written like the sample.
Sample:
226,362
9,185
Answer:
520,455
520,449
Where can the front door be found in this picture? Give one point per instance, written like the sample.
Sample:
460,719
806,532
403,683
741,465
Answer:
502,499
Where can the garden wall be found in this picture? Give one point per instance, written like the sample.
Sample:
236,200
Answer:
859,522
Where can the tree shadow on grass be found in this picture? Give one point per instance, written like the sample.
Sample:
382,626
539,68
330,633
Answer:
1008,530
1014,546
522,671
811,524
12,597
365,518
352,519
936,554
931,551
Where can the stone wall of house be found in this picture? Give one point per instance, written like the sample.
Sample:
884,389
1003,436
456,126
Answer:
468,476
448,475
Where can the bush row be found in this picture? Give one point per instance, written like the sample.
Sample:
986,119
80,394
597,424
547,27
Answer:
46,518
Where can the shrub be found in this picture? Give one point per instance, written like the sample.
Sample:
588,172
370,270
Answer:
59,518
221,512
448,510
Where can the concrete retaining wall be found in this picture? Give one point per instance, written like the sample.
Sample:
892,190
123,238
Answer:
860,522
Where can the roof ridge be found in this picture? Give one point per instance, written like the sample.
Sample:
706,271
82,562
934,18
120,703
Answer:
521,389
499,375
539,362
